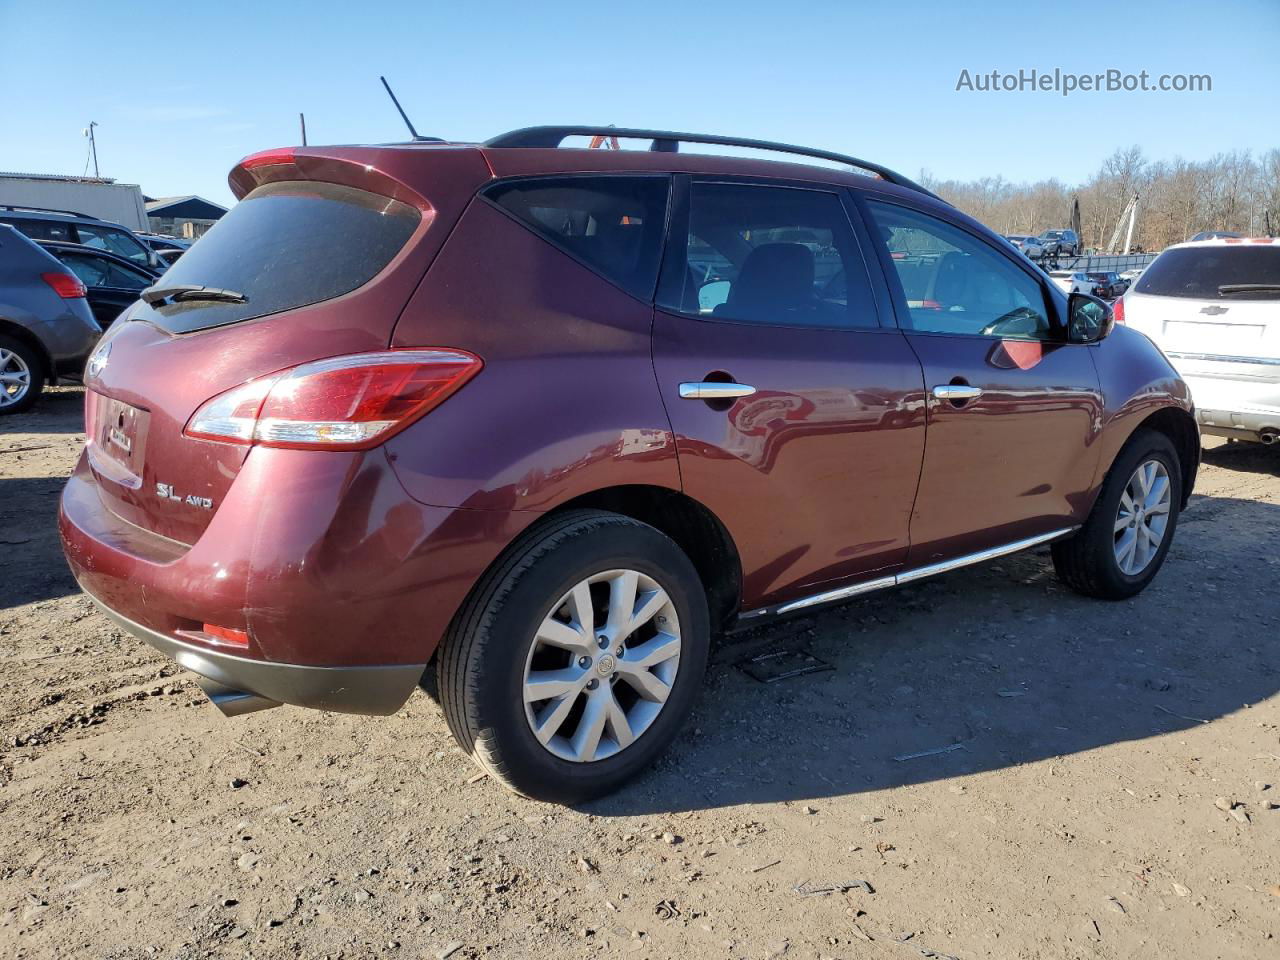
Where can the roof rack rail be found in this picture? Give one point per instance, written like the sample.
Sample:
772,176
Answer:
22,206
667,141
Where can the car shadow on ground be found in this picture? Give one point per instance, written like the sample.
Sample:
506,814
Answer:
59,410
1245,457
31,564
983,669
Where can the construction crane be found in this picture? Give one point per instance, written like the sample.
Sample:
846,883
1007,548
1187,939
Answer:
609,143
1131,214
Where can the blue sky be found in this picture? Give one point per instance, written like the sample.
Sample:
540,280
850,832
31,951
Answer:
182,91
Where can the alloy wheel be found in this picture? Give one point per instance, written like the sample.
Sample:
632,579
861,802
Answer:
15,378
1142,517
601,666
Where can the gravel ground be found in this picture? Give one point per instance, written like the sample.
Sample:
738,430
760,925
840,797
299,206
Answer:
1090,780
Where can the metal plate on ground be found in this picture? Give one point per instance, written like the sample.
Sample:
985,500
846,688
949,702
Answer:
775,665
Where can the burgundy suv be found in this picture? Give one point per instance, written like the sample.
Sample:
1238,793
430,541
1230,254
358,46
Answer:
553,418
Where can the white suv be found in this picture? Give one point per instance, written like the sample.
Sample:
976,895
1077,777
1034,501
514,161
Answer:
1213,307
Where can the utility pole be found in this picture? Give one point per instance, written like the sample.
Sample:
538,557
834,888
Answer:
93,146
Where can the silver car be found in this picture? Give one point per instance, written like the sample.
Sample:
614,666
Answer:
1213,307
46,327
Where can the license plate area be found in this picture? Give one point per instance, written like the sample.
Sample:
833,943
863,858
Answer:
1209,337
119,438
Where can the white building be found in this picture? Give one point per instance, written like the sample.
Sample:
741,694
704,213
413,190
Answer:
94,196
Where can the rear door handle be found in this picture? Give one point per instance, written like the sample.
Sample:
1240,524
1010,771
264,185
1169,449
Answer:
714,390
956,391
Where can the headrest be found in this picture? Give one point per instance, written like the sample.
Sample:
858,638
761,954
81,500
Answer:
775,275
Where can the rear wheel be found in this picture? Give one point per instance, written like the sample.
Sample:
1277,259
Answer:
1123,544
578,658
22,375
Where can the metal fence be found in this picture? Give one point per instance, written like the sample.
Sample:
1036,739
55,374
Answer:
1101,262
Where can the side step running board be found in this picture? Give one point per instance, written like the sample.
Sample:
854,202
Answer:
908,576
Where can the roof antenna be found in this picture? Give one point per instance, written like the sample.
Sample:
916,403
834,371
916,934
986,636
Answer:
404,116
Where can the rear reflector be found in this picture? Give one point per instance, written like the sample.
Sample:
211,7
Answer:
268,157
343,403
227,635
65,285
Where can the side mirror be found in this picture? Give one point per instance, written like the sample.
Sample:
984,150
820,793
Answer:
1089,319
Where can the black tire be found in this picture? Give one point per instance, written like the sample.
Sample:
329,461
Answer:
482,659
35,367
1087,561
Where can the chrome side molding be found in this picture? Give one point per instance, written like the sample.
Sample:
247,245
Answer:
1222,358
909,576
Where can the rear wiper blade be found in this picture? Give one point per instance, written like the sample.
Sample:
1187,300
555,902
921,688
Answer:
180,292
1229,288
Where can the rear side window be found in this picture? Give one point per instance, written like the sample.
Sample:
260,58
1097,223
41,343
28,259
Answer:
101,272
613,225
42,229
287,245
773,255
1229,271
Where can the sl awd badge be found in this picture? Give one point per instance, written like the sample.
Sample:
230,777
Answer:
165,492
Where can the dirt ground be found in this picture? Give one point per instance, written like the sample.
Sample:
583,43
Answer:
1090,780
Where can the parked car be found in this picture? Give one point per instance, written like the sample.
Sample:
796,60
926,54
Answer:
1107,285
1028,245
66,225
167,248
1072,281
113,283
1060,243
545,457
1213,307
46,326
1216,235
1130,277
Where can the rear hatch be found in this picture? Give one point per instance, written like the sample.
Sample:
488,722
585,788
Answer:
1212,308
317,260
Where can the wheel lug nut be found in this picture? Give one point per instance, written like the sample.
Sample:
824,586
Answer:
618,652
603,641
592,683
584,662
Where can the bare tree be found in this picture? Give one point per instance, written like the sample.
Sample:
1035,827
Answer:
1178,198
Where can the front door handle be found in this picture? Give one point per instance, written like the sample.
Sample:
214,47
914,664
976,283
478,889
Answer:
956,391
714,390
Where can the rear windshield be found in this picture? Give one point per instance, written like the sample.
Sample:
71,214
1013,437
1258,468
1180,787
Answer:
286,245
1199,272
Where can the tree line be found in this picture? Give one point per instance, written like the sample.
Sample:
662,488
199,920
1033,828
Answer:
1177,198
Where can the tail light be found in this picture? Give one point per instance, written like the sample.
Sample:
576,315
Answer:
1117,311
343,403
65,285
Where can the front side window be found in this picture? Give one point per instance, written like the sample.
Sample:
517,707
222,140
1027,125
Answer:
775,255
113,241
612,224
954,283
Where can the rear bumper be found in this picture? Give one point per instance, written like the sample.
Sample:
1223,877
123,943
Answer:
240,685
1245,407
342,583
